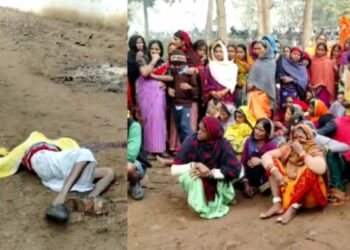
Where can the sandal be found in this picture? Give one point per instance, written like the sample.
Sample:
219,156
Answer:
58,213
151,157
91,205
137,192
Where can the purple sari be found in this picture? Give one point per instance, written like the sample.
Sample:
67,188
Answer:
152,104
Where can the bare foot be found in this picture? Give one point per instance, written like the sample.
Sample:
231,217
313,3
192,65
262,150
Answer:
164,162
249,191
276,209
287,216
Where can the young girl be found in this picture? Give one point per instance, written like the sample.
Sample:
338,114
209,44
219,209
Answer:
201,47
226,116
238,132
231,49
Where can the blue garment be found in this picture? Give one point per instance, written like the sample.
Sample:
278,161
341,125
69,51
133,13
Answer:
182,117
272,42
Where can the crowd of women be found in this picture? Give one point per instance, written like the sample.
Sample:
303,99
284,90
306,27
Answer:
260,116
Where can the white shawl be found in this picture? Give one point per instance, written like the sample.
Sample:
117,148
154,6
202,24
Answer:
224,72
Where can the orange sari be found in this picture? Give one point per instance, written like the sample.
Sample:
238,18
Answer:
307,188
344,26
320,109
259,104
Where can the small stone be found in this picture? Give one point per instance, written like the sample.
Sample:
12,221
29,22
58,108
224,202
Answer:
232,244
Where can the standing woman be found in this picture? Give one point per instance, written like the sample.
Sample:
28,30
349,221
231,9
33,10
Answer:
231,50
293,77
286,51
320,38
261,81
335,57
220,76
201,47
151,97
136,44
244,64
322,75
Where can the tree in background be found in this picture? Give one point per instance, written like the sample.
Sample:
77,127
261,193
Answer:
209,22
145,4
222,29
307,23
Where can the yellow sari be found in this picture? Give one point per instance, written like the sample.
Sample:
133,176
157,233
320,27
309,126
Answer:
237,133
11,161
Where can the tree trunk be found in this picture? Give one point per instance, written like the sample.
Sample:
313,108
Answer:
209,24
260,19
265,10
220,6
307,25
145,14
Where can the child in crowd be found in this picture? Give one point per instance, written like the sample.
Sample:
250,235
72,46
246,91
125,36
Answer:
184,93
238,132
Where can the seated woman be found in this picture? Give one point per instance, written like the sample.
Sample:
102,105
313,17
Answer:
317,108
255,146
238,132
293,116
206,165
295,171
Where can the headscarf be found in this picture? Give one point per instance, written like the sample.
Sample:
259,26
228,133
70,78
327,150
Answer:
229,109
213,127
297,50
296,70
320,109
193,59
224,72
298,113
262,74
322,74
251,53
133,68
249,118
216,153
309,145
302,104
243,68
272,42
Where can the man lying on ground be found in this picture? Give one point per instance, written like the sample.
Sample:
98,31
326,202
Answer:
62,166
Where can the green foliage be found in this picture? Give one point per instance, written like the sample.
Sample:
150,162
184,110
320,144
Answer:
326,13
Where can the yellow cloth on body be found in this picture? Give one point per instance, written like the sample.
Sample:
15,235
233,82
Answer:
10,163
237,133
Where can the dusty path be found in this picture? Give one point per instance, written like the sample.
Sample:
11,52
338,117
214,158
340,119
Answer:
163,220
30,101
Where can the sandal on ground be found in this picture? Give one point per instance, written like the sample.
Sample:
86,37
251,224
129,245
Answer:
91,205
137,192
151,157
165,155
58,213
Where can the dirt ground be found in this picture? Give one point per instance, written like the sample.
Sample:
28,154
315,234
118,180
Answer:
41,90
163,220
